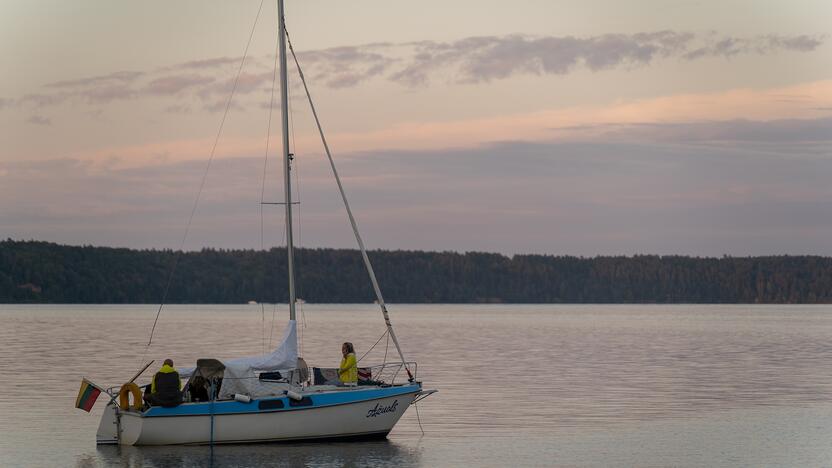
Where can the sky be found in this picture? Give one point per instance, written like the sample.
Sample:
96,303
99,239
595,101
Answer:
585,128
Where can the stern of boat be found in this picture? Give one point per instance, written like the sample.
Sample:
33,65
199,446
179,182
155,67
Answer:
108,427
119,427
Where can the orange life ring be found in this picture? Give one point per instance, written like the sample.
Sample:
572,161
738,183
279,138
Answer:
128,389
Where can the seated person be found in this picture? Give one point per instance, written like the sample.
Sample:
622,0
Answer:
199,389
348,371
165,388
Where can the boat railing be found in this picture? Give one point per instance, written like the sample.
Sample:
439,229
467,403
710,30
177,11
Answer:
389,373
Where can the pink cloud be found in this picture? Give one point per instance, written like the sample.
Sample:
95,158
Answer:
583,123
589,121
170,85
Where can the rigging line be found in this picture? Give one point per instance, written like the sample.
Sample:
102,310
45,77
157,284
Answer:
418,418
274,311
298,263
262,196
204,177
367,264
386,332
294,168
386,348
271,329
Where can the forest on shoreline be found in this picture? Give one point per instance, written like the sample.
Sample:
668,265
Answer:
43,272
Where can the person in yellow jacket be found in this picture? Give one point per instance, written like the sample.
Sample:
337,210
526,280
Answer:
348,372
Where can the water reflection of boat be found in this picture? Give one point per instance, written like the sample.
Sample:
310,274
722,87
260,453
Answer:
276,396
375,453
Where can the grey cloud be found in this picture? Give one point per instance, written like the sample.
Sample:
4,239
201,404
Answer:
39,120
468,60
783,131
807,131
105,94
143,206
247,83
731,46
220,105
297,96
101,94
488,58
210,63
43,100
480,59
345,80
170,85
341,67
608,195
5,103
178,109
799,43
429,55
109,79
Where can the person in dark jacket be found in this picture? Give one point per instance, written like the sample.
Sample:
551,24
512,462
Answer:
198,389
165,388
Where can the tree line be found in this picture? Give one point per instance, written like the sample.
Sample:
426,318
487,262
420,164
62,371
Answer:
42,272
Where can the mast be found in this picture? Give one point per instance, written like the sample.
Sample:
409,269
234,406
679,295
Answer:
287,158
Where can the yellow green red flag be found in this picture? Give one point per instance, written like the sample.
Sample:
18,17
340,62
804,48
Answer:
87,395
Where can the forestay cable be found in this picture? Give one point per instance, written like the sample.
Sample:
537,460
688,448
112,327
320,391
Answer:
364,256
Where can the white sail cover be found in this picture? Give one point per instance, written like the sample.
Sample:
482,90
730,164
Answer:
240,374
285,356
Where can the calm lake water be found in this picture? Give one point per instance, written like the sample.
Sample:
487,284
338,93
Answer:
544,385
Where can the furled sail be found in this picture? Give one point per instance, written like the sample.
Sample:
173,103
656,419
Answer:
285,356
239,374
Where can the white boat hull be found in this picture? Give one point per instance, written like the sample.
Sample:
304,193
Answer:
356,419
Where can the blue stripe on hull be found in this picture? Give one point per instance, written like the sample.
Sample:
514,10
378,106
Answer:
318,400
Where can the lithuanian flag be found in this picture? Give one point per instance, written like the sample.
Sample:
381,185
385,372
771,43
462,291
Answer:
87,395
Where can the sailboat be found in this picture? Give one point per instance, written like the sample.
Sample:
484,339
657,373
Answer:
274,397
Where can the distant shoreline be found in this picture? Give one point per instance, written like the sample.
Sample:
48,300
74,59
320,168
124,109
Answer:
425,304
43,272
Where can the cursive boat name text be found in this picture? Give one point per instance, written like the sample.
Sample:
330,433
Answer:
378,409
